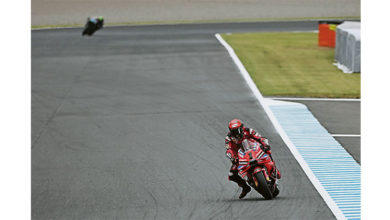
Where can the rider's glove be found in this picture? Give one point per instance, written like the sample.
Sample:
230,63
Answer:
229,155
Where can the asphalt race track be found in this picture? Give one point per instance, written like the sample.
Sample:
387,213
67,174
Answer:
130,124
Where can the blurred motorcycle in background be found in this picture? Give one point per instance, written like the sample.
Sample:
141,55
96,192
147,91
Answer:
93,24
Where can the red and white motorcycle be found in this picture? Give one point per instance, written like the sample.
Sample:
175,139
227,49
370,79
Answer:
255,166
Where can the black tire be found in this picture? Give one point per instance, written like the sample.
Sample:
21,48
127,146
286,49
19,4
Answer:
262,186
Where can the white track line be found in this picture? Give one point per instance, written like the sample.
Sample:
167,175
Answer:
55,28
329,201
315,99
346,135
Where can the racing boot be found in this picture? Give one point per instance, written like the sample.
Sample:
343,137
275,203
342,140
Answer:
276,173
245,190
241,183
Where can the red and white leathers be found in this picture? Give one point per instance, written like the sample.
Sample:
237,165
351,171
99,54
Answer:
233,144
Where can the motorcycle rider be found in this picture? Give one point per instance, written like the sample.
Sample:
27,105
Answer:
233,142
99,21
93,24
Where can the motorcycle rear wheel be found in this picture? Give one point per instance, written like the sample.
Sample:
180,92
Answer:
262,186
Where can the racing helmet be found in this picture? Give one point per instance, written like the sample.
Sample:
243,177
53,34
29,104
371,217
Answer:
236,128
100,18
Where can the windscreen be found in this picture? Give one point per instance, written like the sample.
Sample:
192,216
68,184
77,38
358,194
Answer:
246,145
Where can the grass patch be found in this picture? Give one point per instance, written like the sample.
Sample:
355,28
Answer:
292,64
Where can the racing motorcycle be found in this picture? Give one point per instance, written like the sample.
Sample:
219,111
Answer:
255,167
91,27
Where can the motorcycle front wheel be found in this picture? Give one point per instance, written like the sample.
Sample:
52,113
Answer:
262,186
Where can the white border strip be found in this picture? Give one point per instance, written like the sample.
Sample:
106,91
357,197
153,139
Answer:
315,99
56,28
329,201
346,135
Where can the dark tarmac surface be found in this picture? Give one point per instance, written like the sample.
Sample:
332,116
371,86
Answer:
130,124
